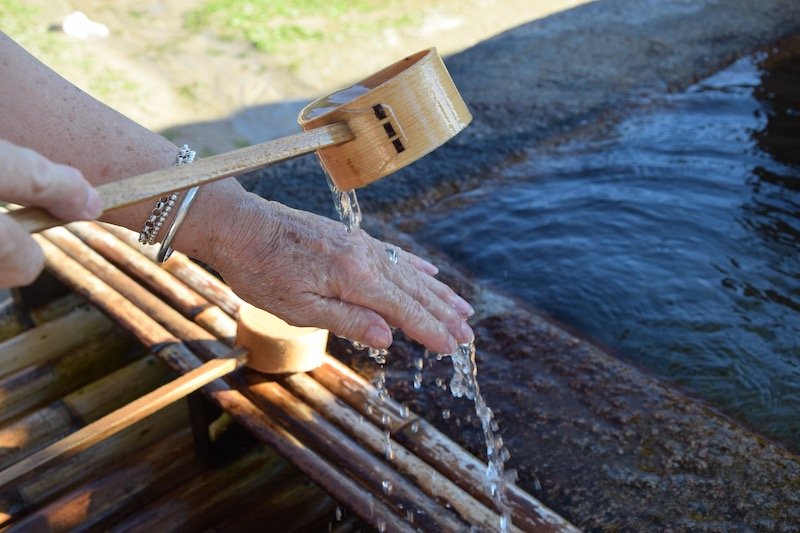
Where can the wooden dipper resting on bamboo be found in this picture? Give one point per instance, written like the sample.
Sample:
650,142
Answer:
277,347
400,114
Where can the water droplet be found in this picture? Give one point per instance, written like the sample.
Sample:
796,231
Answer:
392,254
388,449
445,413
381,525
384,419
414,427
370,410
404,411
379,356
504,520
387,487
410,516
338,513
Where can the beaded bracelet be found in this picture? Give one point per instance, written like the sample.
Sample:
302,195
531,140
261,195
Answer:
164,204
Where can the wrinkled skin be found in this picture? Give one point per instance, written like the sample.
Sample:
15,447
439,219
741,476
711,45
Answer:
28,178
309,271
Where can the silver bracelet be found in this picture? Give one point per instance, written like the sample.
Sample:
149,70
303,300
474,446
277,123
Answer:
164,204
166,249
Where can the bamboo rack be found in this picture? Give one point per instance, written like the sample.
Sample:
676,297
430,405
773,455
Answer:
318,421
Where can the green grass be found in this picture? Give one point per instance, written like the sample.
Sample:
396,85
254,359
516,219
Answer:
274,25
23,23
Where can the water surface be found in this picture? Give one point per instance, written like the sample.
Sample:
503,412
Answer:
673,240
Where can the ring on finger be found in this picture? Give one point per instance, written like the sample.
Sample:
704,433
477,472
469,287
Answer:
392,254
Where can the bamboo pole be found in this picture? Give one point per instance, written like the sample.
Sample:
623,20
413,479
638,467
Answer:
40,384
168,347
93,505
50,339
291,506
122,418
44,426
435,448
50,481
10,323
128,289
321,399
14,321
345,453
186,301
162,182
184,269
203,500
361,501
117,389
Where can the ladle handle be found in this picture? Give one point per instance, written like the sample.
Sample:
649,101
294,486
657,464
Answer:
162,182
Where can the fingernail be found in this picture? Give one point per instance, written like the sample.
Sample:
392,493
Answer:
463,308
378,337
430,268
465,334
94,205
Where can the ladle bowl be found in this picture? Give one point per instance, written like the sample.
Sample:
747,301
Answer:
397,116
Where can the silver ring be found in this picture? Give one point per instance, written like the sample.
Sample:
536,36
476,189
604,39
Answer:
392,254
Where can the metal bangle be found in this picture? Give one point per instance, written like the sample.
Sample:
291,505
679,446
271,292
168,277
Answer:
166,249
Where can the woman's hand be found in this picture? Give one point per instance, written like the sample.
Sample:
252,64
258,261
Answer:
28,178
309,271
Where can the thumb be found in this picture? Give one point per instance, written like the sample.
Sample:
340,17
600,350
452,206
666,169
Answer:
21,259
29,178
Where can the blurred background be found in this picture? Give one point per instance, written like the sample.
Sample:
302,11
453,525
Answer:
193,69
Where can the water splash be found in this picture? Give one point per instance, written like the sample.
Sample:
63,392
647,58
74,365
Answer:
465,384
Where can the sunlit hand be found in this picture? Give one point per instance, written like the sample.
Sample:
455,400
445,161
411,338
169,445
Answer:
28,178
308,271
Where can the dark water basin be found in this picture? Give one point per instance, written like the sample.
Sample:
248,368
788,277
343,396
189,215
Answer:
673,240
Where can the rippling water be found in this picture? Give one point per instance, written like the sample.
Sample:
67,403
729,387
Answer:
674,240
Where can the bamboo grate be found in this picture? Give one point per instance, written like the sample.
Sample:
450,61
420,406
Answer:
101,445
